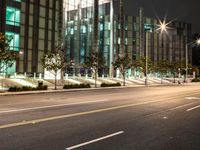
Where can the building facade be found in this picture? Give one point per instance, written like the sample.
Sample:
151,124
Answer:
33,25
79,34
39,25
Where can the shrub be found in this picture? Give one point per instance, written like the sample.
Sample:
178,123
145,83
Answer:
110,84
42,87
73,86
27,88
196,80
14,89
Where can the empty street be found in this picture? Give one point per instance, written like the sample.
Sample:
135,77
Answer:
131,118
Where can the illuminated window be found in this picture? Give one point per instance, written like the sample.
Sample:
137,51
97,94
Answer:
8,68
14,43
72,31
101,27
84,29
11,70
12,16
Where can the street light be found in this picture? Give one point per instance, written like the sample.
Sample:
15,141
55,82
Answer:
196,42
162,26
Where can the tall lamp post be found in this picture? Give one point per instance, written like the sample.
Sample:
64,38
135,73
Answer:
161,27
196,42
146,56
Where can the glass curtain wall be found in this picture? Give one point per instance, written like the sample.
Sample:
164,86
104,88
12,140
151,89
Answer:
79,30
12,28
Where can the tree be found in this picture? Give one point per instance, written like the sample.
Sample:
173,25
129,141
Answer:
141,64
162,67
54,62
7,57
94,62
193,68
123,63
173,68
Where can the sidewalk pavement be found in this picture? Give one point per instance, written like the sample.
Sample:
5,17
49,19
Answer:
59,90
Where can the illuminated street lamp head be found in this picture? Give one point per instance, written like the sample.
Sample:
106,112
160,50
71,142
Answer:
198,41
162,26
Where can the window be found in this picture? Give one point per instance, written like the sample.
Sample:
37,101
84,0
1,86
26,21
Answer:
14,43
101,27
11,70
12,16
5,68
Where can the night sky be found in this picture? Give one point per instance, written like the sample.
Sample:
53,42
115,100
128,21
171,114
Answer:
182,10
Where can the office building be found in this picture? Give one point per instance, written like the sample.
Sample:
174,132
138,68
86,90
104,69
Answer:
34,27
37,26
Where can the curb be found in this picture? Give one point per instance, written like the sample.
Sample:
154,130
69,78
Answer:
80,90
63,90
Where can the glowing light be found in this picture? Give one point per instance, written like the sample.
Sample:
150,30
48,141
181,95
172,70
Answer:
198,41
163,26
21,52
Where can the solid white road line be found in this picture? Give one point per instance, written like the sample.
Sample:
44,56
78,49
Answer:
181,106
51,106
95,140
193,108
193,98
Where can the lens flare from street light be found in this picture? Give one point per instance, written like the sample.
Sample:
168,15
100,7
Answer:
163,26
198,41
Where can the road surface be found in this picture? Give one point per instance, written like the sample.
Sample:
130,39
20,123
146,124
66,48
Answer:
142,118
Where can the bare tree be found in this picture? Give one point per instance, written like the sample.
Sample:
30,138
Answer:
54,62
123,63
141,64
174,68
95,62
162,67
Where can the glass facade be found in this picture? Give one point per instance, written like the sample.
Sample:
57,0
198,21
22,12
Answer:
12,16
10,25
14,43
79,34
36,27
79,30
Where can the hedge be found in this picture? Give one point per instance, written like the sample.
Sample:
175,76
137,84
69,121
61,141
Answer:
196,80
74,86
27,88
110,84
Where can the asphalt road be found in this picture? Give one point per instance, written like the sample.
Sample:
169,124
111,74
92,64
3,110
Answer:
142,118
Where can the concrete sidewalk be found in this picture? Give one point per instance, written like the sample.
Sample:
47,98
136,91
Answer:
6,93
